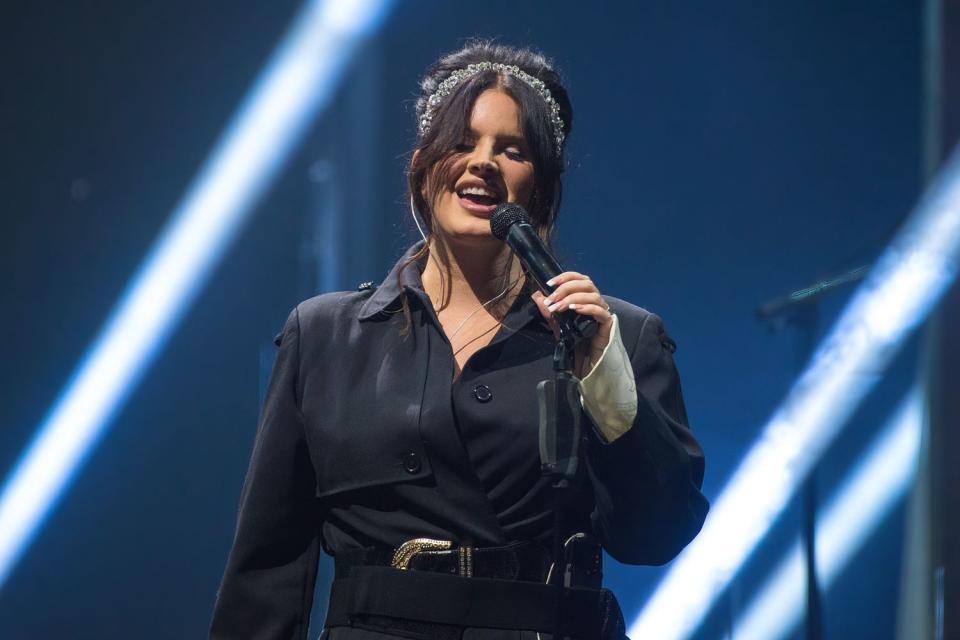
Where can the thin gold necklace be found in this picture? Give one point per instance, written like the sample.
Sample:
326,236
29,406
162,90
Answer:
472,313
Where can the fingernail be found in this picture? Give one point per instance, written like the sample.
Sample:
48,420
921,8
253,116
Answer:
572,306
548,301
551,282
553,306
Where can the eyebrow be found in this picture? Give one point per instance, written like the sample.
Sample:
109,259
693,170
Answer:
507,137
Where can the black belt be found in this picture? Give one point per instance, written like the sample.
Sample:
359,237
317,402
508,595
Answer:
527,561
444,590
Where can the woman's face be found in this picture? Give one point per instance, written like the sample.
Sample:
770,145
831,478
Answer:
490,167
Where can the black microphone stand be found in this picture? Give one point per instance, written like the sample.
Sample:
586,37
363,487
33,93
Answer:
559,396
560,435
801,308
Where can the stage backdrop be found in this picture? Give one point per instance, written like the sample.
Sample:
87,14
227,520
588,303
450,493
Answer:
721,155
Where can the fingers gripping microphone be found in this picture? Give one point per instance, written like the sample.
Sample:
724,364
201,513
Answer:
511,224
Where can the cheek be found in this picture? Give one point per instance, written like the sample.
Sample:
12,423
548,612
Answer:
444,177
523,184
439,195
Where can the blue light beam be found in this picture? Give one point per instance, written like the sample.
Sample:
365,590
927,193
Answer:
903,286
866,496
298,81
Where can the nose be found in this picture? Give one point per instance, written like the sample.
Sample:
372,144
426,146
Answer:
481,161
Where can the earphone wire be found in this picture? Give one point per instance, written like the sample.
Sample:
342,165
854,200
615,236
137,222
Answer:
416,219
576,536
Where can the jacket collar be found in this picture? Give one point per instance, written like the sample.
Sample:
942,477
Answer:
389,291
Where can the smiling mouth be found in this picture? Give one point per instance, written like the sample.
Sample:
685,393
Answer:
478,199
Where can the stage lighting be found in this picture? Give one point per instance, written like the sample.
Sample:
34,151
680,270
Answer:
297,82
863,500
903,286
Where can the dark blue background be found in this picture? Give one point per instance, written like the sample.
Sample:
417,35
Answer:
722,154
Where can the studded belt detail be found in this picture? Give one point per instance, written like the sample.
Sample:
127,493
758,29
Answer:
406,551
524,561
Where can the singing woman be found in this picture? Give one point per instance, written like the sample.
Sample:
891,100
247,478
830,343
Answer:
400,429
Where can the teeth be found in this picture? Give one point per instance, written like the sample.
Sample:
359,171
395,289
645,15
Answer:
477,191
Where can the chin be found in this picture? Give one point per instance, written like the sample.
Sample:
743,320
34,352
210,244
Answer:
462,225
469,235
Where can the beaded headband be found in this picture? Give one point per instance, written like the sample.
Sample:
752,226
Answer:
446,88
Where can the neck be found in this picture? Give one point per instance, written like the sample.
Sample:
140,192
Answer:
470,274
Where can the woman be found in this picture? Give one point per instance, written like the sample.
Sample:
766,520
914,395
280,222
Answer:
400,429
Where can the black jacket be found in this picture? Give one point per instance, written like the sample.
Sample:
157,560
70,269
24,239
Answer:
364,441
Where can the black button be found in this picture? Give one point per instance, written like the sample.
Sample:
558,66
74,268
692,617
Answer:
411,462
482,393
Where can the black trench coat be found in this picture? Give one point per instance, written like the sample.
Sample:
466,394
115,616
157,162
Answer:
364,441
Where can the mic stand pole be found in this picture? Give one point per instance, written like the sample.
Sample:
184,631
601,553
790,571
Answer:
560,429
801,308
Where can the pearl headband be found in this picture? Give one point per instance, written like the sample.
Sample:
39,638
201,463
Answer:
446,88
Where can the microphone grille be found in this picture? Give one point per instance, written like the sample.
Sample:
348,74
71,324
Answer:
505,216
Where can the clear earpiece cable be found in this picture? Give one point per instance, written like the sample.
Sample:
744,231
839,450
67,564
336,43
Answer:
416,218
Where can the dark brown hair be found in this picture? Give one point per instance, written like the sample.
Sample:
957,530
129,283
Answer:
437,147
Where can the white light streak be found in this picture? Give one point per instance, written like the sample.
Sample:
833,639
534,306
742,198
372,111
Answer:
898,294
861,503
296,84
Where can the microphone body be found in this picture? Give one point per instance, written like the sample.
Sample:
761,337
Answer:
511,224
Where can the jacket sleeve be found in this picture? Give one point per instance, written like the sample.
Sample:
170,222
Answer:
647,482
267,588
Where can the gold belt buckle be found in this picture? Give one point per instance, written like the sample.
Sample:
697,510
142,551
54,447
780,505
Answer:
406,551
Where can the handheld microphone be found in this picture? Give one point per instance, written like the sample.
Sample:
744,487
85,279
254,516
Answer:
511,224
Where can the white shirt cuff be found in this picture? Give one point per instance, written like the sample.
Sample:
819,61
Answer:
609,392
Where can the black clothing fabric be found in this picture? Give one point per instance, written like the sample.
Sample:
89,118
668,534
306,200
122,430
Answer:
366,440
440,604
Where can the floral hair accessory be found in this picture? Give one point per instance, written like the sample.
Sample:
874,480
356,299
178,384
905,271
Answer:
446,87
